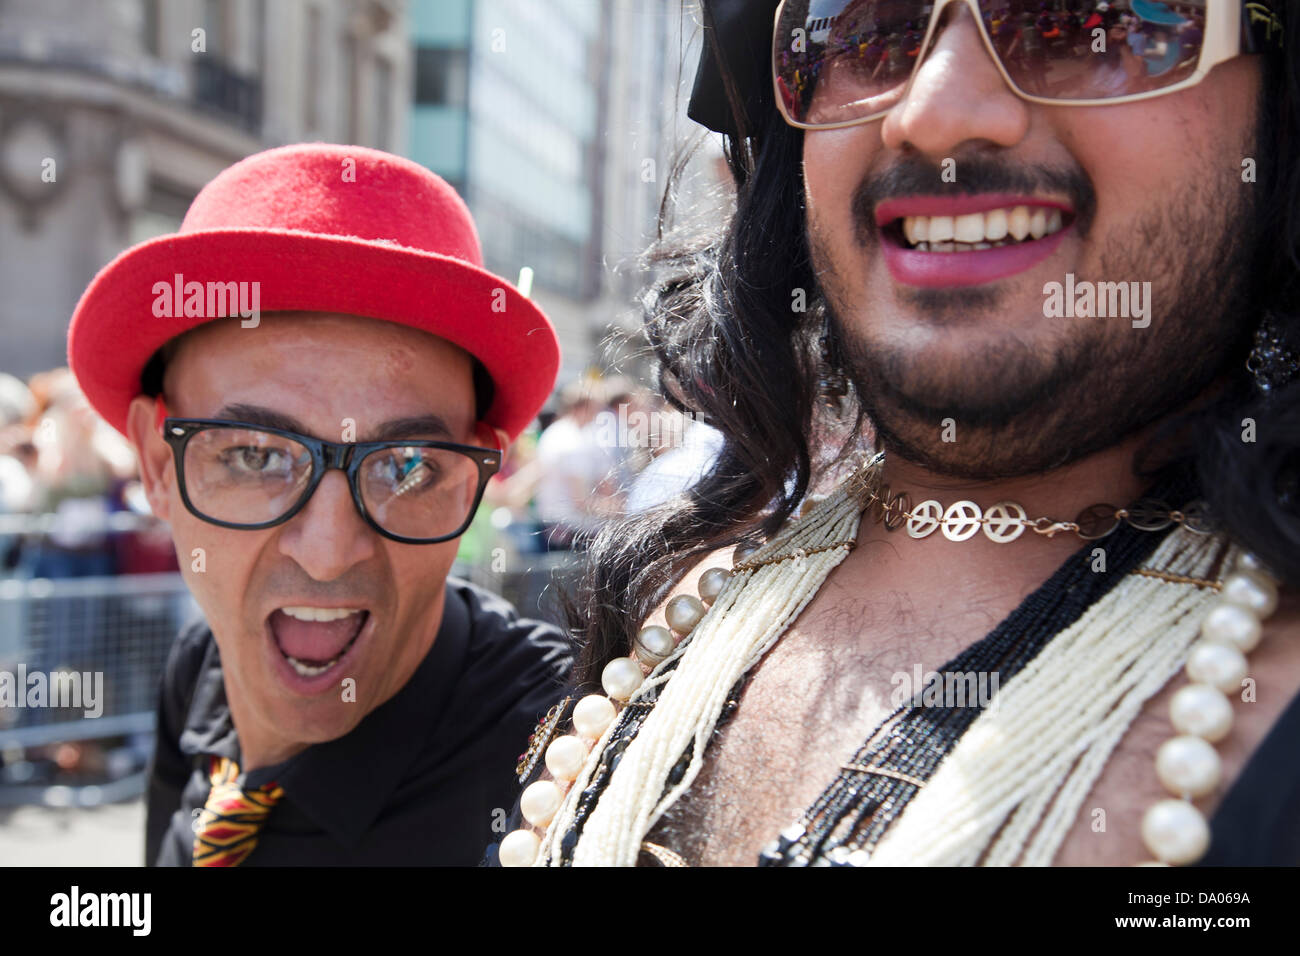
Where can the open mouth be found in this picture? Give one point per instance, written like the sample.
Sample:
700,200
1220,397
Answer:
977,231
313,639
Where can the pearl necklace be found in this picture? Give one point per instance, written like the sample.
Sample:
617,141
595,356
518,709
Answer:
1188,766
592,715
1174,830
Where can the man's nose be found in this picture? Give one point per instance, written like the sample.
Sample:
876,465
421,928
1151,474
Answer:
328,537
958,95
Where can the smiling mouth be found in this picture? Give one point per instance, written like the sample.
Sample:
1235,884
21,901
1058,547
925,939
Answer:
975,232
314,639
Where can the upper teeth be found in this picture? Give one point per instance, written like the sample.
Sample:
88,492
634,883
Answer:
320,613
978,227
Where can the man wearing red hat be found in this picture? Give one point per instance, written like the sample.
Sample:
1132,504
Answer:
319,378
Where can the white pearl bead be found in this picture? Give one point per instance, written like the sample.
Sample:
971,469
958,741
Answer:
1250,590
684,612
711,584
654,644
1175,832
1219,665
1188,766
519,848
1248,562
539,801
621,677
592,715
565,756
1202,711
1232,624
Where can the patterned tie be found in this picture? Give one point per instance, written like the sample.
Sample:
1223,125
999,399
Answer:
225,830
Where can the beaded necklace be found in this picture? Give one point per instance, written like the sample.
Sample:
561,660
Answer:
842,826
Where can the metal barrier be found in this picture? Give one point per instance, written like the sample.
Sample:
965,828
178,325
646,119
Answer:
114,632
118,631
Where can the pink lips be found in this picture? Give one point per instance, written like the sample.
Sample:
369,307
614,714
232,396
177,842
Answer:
950,269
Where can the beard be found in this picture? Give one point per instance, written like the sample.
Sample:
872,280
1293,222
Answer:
1019,407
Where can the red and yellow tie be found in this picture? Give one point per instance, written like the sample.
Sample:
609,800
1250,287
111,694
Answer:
225,830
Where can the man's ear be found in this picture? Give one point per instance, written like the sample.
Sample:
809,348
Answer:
157,470
493,438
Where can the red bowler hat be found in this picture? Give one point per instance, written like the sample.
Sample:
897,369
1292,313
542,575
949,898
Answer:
319,228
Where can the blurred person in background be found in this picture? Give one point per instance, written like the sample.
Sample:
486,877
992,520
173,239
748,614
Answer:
577,489
81,467
17,459
343,702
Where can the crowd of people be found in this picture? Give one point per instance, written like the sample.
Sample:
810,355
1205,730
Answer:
64,475
607,447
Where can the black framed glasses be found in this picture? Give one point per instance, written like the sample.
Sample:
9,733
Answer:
242,475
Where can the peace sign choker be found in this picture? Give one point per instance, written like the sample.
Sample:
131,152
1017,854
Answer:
1007,520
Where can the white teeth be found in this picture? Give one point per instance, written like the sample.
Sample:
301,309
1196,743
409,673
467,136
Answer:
981,230
320,613
995,225
307,670
941,229
969,228
1018,222
1038,223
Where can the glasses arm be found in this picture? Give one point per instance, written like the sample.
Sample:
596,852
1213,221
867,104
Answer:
1262,26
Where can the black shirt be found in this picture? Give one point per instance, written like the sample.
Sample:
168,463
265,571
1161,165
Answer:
420,781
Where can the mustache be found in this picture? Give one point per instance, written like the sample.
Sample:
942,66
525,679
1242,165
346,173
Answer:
360,586
915,175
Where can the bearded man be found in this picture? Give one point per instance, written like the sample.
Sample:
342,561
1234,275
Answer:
1075,653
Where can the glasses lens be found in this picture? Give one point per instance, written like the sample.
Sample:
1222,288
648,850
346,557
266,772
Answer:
837,61
1096,51
417,492
244,476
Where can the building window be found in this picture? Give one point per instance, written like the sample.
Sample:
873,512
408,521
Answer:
311,86
441,76
215,25
151,23
348,80
383,90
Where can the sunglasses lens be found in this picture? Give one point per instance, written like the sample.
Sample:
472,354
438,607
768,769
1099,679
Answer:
844,60
837,61
1088,51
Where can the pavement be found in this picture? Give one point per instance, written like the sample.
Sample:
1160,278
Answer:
107,835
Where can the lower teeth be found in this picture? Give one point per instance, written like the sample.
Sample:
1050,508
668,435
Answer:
964,246
310,670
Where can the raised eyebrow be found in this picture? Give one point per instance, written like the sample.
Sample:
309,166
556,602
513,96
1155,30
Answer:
257,415
419,426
